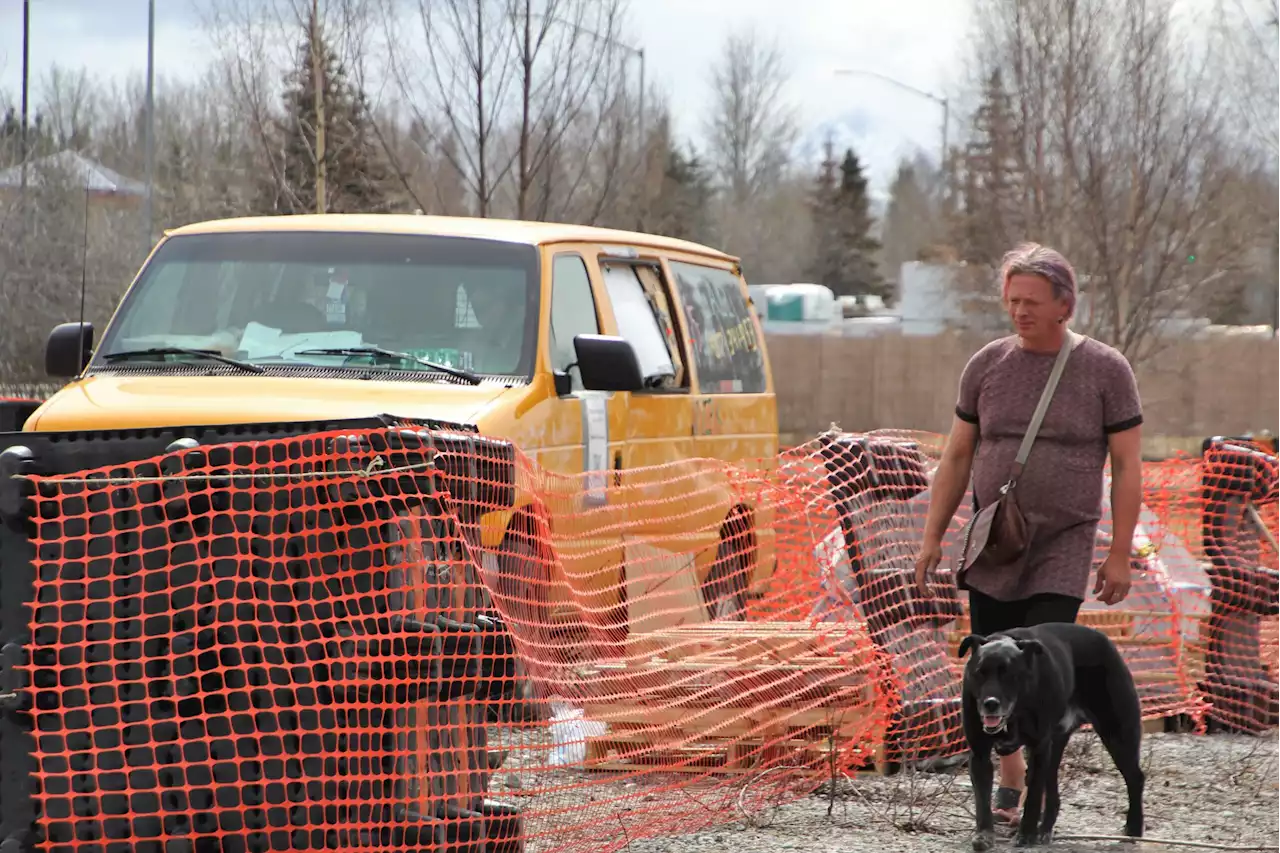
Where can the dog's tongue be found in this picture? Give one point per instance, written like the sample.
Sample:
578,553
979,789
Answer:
991,722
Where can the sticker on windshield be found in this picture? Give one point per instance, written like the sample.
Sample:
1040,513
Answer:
449,357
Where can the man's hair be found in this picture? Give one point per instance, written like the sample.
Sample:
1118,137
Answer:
1048,264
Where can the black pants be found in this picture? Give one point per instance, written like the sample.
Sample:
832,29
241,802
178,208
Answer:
989,615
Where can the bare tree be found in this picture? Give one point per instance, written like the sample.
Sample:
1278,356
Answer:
1248,32
255,42
1247,29
751,128
68,108
760,211
78,248
498,86
1119,153
75,231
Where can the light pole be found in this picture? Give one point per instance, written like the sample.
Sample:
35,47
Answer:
937,99
26,69
1275,232
634,51
150,143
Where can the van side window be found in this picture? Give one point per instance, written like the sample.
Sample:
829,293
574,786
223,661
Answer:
723,333
573,312
639,325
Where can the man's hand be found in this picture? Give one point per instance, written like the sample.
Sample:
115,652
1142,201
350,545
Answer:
929,558
1113,579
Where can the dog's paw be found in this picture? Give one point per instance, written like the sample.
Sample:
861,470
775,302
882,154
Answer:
984,840
1026,839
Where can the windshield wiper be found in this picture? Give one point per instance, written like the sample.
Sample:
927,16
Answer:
465,375
212,355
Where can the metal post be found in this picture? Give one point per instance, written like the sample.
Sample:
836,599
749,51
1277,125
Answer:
1274,294
642,95
26,69
946,123
1275,233
151,125
318,84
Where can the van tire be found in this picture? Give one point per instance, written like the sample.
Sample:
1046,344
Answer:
522,585
724,592
521,582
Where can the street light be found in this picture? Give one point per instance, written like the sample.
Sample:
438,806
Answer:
1275,236
150,142
937,99
26,69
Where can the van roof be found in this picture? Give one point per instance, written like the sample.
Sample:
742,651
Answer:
507,230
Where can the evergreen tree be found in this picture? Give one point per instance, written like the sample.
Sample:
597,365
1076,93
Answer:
990,218
844,257
10,138
355,176
912,220
173,171
824,266
685,200
39,143
224,189
860,273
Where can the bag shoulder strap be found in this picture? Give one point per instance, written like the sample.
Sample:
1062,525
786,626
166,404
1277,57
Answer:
1046,397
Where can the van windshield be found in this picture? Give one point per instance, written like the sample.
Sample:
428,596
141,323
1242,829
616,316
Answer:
273,298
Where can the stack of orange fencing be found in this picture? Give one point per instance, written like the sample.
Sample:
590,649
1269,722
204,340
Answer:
311,644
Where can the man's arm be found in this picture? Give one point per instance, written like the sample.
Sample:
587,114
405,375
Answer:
1126,488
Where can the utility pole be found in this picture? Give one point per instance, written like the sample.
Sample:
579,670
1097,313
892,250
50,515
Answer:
317,80
1275,200
150,144
26,70
640,52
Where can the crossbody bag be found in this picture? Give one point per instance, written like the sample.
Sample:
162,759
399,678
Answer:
1000,534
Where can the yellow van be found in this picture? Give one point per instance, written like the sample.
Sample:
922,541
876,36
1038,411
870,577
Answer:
596,352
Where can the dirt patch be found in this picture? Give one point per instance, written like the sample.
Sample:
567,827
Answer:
1221,789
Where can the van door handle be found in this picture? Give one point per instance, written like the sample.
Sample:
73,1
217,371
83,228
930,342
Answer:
617,468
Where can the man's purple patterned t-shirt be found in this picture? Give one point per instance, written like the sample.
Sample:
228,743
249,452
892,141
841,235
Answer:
1060,489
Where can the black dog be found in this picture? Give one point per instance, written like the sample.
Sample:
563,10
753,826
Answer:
1034,687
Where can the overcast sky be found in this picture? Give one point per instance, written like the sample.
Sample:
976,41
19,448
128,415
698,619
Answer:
919,42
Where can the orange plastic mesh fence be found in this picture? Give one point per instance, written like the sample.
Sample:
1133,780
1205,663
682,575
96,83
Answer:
318,643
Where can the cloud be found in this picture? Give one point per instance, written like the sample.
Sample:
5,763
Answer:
916,41
107,39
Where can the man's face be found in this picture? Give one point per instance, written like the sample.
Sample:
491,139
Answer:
1032,307
316,291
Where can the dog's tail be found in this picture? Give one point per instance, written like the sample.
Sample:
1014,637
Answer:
1117,711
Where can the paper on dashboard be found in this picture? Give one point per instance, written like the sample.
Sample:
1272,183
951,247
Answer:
259,341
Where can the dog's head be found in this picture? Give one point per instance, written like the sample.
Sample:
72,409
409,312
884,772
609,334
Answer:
999,670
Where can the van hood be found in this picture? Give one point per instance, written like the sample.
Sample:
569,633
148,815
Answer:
139,402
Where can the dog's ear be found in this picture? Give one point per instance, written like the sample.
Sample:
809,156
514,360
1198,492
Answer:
971,640
1030,647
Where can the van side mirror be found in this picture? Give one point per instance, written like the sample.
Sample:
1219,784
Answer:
607,363
67,350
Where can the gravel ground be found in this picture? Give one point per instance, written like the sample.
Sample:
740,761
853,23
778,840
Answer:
1221,789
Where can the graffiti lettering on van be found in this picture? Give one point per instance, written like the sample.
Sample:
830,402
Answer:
718,316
